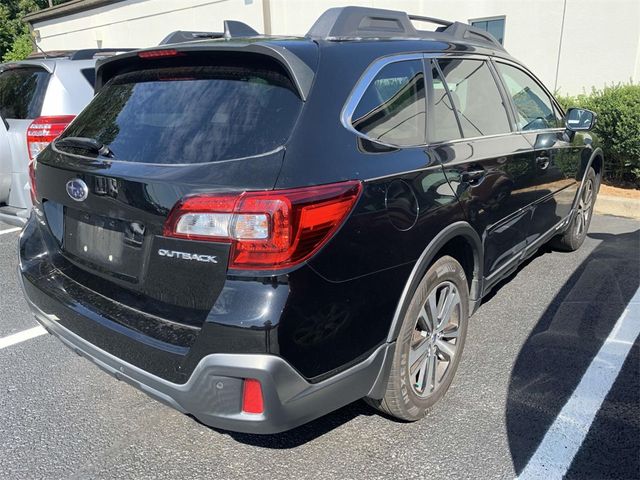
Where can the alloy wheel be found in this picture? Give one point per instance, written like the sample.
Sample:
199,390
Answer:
584,208
434,341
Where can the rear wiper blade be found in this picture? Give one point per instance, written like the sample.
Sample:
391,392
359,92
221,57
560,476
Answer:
85,143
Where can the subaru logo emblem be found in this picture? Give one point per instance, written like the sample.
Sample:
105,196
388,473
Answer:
77,190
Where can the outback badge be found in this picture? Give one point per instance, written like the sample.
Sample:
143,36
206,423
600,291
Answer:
188,256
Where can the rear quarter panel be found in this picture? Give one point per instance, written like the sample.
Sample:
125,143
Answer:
68,92
19,160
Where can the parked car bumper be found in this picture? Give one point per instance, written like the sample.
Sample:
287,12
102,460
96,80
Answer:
213,392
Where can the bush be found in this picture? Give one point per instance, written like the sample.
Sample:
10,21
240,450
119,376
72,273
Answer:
21,48
618,128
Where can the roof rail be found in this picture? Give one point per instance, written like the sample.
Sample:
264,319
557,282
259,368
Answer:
232,29
84,54
50,54
344,23
437,21
89,53
181,36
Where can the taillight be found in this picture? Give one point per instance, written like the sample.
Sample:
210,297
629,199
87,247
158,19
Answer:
267,230
41,132
252,401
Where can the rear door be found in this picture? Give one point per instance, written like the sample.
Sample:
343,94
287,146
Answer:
22,93
489,165
555,158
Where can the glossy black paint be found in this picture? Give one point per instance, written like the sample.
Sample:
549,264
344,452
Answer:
335,309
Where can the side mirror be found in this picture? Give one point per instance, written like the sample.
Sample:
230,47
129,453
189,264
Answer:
579,120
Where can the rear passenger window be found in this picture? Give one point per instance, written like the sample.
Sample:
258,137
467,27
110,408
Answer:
445,125
392,109
534,109
22,92
476,97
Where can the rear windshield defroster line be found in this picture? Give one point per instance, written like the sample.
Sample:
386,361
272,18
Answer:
188,115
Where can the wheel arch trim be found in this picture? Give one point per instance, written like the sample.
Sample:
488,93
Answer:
457,229
596,153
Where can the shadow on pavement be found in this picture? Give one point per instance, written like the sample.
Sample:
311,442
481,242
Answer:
307,432
549,365
559,350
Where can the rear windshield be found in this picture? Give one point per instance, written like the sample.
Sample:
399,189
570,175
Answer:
191,115
22,92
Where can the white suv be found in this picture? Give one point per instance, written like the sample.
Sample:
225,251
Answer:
38,98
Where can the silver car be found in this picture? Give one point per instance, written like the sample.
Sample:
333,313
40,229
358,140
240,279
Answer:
38,98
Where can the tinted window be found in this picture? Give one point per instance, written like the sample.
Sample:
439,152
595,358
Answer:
445,125
22,92
392,108
476,97
495,27
191,114
534,109
90,75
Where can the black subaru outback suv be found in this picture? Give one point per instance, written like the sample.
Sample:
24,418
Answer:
260,230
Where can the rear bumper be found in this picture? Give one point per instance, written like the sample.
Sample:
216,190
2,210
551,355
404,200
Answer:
213,392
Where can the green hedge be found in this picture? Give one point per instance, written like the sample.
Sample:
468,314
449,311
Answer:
20,49
618,128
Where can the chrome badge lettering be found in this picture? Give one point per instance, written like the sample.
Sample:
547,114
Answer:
188,256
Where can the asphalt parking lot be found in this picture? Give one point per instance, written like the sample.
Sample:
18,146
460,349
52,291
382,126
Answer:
529,346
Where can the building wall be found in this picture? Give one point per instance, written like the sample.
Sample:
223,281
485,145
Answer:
598,45
143,23
601,44
571,45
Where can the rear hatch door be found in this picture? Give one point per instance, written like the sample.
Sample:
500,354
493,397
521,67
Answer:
171,129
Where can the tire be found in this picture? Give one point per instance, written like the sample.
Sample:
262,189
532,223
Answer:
411,394
573,237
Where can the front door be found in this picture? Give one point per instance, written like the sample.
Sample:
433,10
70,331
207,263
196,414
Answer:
554,155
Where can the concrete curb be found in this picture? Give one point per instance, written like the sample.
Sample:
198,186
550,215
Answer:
619,206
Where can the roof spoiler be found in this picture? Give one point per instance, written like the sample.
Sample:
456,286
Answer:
301,74
345,23
232,29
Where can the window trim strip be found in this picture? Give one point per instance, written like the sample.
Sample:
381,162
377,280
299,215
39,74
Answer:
434,62
346,115
525,70
357,92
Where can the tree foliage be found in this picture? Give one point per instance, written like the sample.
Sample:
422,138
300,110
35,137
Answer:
21,48
14,33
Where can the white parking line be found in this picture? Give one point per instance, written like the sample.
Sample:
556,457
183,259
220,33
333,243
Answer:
560,444
10,230
21,336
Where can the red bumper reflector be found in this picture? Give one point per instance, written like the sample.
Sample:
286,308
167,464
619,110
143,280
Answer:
252,396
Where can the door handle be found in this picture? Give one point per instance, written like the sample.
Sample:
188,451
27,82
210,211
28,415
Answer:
543,161
473,176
